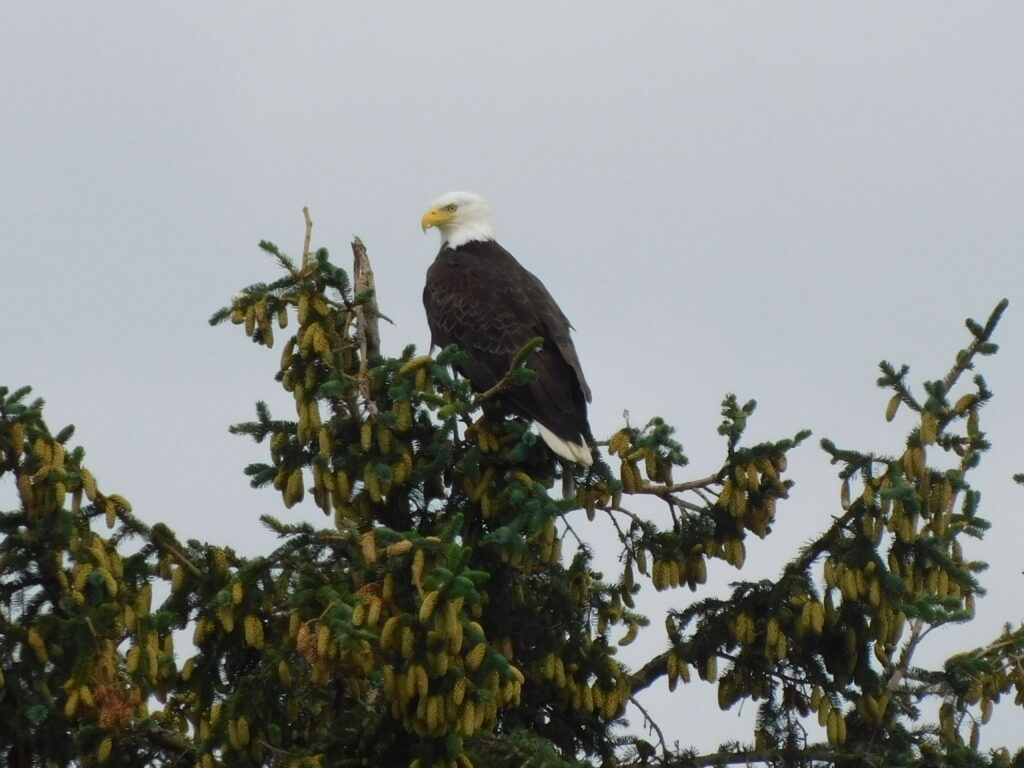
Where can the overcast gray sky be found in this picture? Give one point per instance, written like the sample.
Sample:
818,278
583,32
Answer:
765,198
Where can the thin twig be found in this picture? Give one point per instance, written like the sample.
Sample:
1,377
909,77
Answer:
609,508
653,725
906,655
571,530
503,383
622,536
517,360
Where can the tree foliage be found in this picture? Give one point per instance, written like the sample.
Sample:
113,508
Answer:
451,612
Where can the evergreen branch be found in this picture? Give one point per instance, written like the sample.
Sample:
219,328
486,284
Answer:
220,316
509,378
665,490
153,535
894,380
812,551
759,668
649,673
1011,641
902,667
282,259
981,344
178,555
183,749
797,756
516,745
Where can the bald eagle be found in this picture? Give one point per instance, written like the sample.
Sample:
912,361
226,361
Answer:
479,297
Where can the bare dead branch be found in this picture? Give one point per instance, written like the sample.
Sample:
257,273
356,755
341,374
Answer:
309,236
691,485
367,318
367,312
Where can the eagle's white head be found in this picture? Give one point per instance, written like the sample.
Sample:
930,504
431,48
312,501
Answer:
461,217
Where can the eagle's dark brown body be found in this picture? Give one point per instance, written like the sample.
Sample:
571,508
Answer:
479,297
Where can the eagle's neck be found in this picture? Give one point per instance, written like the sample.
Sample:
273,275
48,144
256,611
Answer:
468,232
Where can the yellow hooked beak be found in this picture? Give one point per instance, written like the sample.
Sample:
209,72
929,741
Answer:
435,217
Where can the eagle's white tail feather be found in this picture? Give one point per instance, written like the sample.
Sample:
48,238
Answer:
578,452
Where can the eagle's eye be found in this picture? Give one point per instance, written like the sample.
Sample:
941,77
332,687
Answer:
451,208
